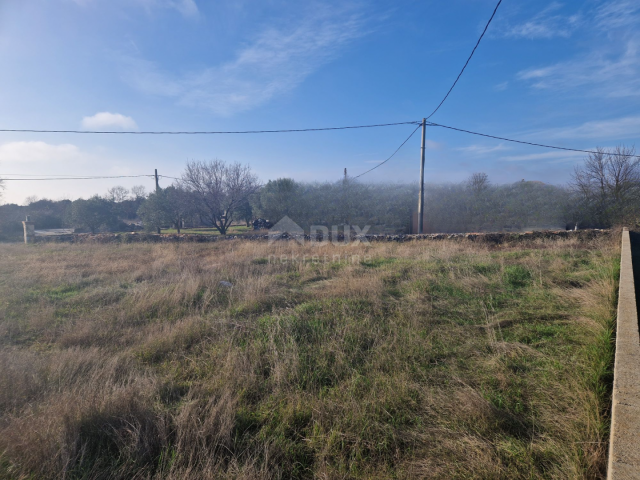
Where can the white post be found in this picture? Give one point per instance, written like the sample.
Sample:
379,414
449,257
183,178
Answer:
29,230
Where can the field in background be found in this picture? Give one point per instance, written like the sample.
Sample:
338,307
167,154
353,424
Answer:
434,359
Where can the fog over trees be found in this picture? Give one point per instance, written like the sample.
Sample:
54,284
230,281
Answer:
604,191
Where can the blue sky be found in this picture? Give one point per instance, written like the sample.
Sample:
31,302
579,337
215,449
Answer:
565,73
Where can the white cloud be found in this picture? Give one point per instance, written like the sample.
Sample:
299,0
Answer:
188,8
275,63
556,155
18,153
617,14
27,154
107,120
611,68
431,145
500,87
482,149
610,74
546,25
615,129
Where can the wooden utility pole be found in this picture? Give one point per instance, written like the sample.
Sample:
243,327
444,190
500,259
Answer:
345,198
157,189
421,197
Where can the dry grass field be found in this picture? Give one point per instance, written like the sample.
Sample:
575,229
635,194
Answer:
429,359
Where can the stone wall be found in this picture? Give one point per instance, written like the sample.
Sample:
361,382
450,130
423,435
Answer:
494,238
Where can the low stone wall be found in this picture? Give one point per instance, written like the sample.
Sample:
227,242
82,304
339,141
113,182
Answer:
624,446
494,238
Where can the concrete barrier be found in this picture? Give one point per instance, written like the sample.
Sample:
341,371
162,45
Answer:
624,444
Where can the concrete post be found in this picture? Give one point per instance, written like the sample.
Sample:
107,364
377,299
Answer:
624,448
29,230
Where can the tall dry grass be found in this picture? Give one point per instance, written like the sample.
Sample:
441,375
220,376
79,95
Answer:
419,360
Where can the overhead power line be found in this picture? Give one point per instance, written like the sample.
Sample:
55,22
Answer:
526,143
32,177
392,155
64,175
468,60
42,178
70,177
291,130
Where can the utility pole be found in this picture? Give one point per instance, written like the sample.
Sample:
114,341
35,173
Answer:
344,199
157,188
421,198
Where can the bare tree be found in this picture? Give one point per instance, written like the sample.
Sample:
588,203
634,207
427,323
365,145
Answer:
609,185
475,198
219,190
117,194
30,199
139,191
478,183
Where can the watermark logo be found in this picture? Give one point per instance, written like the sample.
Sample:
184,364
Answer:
286,228
319,234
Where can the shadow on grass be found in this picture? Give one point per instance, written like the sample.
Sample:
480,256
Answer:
635,258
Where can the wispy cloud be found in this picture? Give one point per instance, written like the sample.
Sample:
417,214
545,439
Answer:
275,63
614,129
553,157
431,145
500,87
107,120
546,24
611,68
188,8
480,150
617,14
609,74
18,153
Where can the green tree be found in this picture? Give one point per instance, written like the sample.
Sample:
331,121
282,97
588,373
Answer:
245,212
93,213
165,207
279,198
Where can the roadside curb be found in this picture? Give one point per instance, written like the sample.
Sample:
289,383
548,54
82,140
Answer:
624,443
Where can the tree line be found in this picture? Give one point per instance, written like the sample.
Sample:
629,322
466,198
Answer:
604,191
